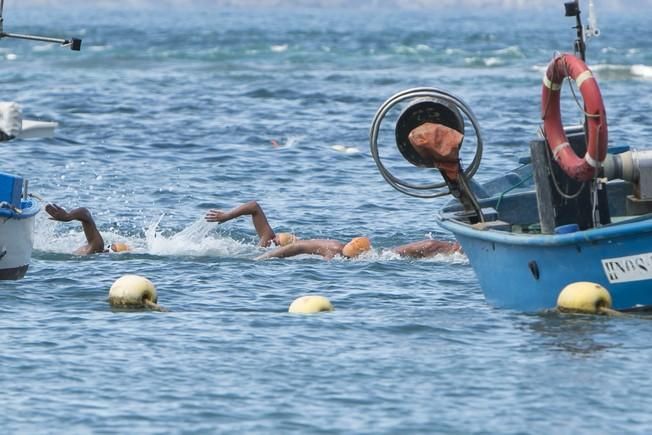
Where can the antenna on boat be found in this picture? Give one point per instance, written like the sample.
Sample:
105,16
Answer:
583,33
573,10
73,43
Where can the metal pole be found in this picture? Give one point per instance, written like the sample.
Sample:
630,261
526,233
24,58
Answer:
74,43
35,38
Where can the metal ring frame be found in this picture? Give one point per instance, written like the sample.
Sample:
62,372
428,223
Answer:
405,187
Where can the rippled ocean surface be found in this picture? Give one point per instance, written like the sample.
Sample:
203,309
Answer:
168,112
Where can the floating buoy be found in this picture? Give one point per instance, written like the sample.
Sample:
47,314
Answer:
134,291
310,304
585,297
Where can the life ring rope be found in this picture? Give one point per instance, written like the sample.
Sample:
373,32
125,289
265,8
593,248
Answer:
578,82
556,182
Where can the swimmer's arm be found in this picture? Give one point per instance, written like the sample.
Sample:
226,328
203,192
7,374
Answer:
262,226
323,247
83,215
291,250
427,248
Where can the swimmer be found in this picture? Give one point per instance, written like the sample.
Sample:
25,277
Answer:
94,240
330,248
264,230
324,247
288,244
327,248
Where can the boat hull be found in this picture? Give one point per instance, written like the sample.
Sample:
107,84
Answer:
16,241
527,272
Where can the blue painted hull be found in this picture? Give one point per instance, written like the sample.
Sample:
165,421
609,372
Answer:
526,272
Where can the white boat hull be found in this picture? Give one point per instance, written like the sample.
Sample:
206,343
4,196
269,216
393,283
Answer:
16,242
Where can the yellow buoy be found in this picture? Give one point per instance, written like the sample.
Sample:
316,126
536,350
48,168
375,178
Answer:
310,304
585,297
133,291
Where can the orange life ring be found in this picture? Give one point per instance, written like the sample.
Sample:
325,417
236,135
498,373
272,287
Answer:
562,66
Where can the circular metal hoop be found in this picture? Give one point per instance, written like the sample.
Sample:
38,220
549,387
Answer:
416,189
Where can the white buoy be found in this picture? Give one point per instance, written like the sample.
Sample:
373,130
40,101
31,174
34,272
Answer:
310,304
585,297
133,291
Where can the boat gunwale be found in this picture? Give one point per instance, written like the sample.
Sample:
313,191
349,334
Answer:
636,226
31,209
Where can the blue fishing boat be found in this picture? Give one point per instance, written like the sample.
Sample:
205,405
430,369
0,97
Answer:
573,211
18,209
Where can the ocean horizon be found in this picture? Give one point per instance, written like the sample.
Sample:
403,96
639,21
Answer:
606,5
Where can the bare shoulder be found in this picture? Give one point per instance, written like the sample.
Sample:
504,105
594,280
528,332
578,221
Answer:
320,243
324,247
427,248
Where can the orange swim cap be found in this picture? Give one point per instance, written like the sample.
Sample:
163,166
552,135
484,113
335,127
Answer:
356,246
119,247
284,239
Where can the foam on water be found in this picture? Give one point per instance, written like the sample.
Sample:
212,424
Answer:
644,71
612,71
195,240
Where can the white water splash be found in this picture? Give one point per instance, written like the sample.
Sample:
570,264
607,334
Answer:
642,71
195,240
48,237
344,149
613,70
290,142
279,48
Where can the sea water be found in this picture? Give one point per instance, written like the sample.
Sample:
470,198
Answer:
167,112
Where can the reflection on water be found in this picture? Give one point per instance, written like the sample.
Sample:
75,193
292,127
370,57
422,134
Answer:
578,334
